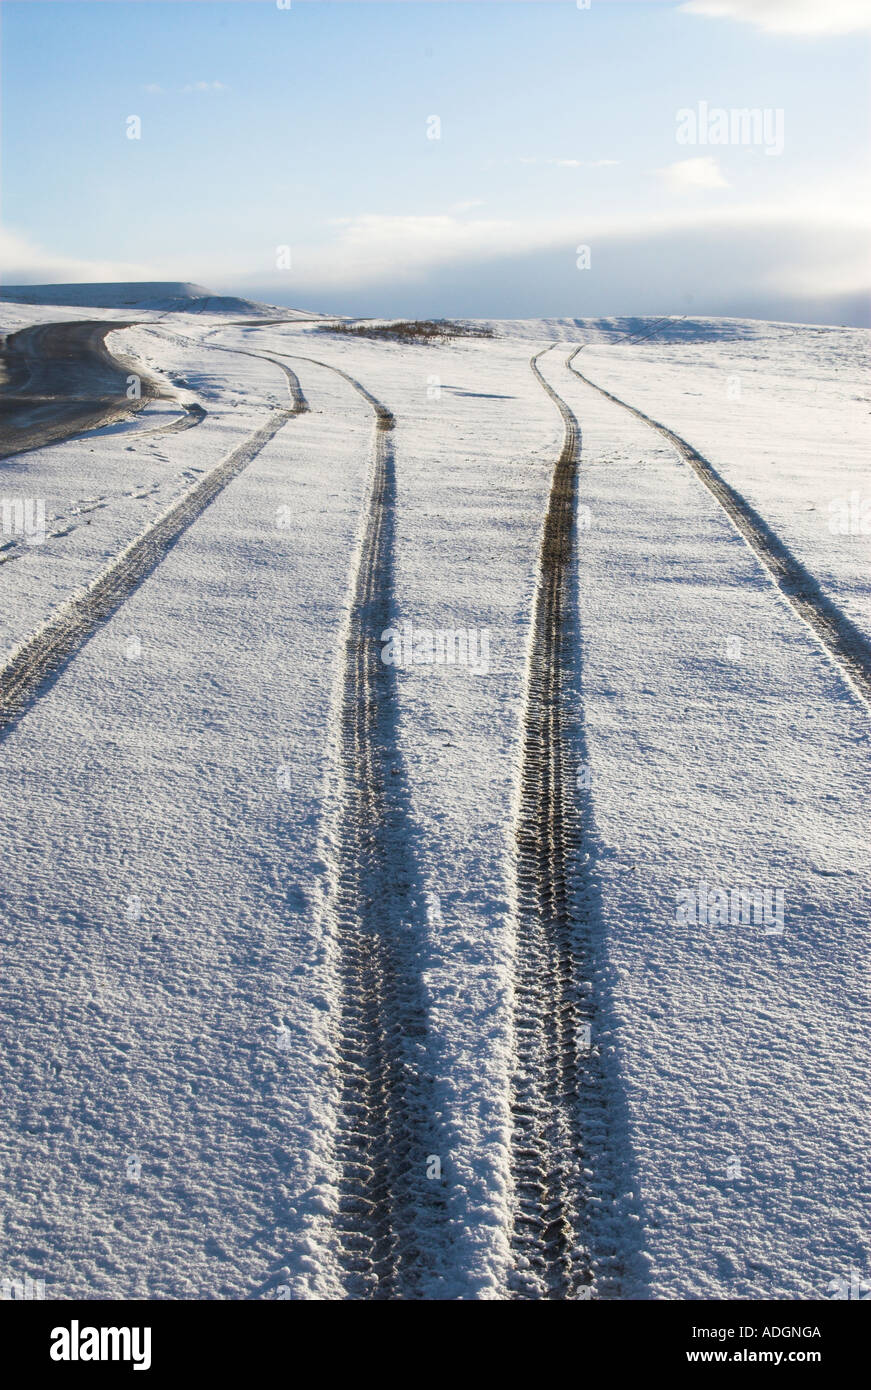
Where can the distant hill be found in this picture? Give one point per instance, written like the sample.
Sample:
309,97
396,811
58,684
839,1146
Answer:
162,295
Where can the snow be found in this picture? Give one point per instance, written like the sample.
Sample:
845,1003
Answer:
784,417
149,295
104,296
169,829
744,771
170,993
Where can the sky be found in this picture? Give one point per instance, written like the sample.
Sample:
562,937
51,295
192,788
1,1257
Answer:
477,158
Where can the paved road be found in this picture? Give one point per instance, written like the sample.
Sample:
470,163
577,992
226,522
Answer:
60,379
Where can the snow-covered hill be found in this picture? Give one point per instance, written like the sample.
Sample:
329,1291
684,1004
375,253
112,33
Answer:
155,295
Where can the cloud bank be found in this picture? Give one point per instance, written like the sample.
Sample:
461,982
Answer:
808,262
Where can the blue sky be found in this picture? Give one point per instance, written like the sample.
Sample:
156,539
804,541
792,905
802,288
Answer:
308,128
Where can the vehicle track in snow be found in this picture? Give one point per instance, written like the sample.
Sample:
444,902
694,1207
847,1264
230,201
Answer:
845,645
551,1256
46,651
194,414
384,1110
383,1116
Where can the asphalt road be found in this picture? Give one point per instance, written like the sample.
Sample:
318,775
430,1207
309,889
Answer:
60,379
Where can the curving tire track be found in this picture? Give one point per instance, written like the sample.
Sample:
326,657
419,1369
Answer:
845,645
381,1141
194,414
44,654
551,1258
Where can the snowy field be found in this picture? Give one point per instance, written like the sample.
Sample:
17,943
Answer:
178,822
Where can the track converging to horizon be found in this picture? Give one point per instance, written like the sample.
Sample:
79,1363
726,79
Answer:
384,1114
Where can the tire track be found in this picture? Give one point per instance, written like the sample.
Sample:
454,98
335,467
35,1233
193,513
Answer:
384,1107
44,654
383,1123
845,645
194,414
549,1243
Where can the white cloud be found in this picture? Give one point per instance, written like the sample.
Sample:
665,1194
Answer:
582,163
811,245
27,264
374,246
155,89
377,249
689,174
569,163
790,16
467,206
843,269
